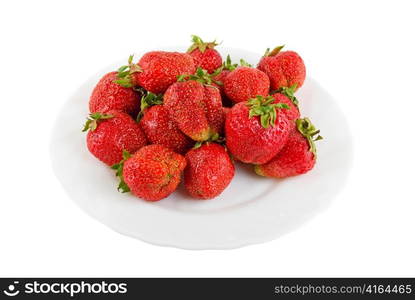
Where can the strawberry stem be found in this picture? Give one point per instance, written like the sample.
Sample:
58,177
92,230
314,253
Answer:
266,109
149,99
93,119
122,186
124,73
201,76
274,51
244,63
307,129
198,43
289,92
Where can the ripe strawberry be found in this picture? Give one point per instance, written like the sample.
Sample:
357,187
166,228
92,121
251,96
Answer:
219,76
226,110
208,172
195,107
284,68
109,134
286,95
204,54
152,173
159,128
256,130
107,95
245,83
156,70
298,155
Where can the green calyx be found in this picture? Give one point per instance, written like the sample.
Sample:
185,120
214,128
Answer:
215,137
244,63
274,51
122,186
201,76
198,43
93,119
265,109
307,129
149,99
289,92
124,73
228,65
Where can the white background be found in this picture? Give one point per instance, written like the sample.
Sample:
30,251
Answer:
362,52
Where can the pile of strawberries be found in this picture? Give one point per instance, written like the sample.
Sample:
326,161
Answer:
193,113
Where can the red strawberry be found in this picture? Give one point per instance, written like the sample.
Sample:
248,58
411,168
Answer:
109,134
284,68
159,128
196,108
156,70
204,54
219,76
298,155
286,95
107,95
226,110
152,173
208,172
256,130
245,83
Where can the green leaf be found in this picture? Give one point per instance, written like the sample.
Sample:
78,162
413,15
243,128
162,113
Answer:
245,63
130,59
181,77
87,125
217,71
122,187
147,100
93,119
282,105
124,73
228,60
307,129
266,109
122,69
289,92
198,43
125,82
214,137
197,145
201,76
274,51
125,154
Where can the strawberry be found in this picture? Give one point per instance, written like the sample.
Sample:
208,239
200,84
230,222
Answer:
152,173
286,95
219,76
159,128
226,110
156,70
111,133
204,54
298,155
107,95
256,130
284,68
245,83
195,107
208,172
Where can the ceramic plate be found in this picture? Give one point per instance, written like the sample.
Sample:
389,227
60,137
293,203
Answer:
251,210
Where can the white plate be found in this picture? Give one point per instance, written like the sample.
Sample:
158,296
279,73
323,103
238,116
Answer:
251,210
